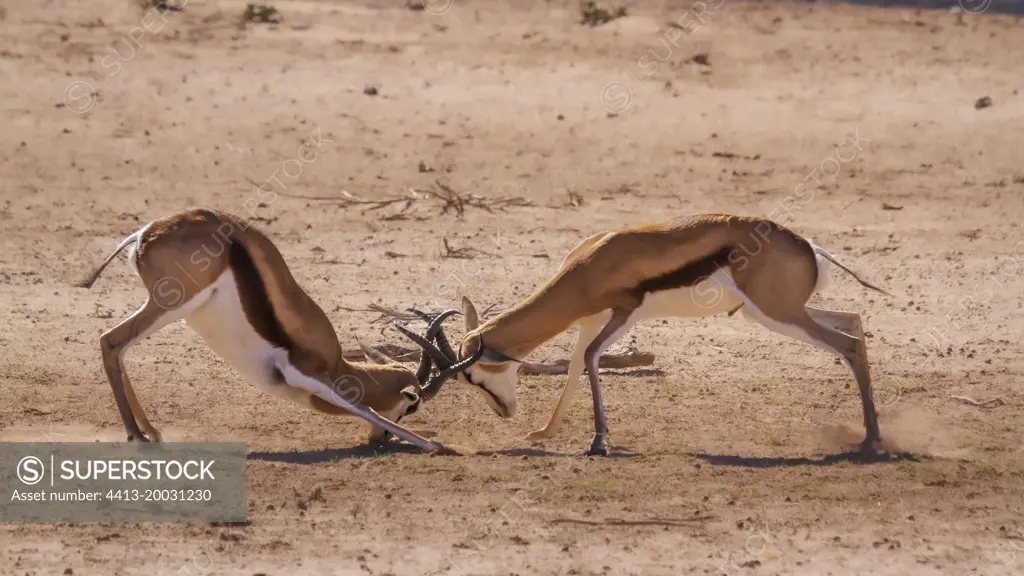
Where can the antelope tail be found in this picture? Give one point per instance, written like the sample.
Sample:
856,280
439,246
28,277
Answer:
821,251
91,278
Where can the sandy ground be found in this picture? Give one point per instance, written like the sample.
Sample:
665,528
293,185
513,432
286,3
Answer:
727,449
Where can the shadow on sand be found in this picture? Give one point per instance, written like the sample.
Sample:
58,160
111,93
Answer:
618,452
829,460
335,454
376,451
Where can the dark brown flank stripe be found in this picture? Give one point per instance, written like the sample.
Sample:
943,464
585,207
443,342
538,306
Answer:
255,302
694,272
688,275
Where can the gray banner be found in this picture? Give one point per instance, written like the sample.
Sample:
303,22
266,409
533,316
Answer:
123,482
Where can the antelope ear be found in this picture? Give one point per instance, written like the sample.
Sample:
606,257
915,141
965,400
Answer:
410,393
469,312
374,355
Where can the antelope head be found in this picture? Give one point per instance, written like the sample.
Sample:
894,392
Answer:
426,384
490,371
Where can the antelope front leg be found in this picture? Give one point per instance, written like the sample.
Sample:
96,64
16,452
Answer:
612,331
587,331
571,385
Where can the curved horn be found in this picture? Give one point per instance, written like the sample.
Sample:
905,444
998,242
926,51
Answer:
436,332
423,315
442,343
435,326
423,370
427,347
434,386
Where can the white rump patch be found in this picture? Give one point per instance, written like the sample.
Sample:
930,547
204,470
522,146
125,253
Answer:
750,311
824,266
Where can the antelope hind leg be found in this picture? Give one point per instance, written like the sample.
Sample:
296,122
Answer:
148,319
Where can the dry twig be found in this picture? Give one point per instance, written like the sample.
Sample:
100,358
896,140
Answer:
452,200
985,404
464,253
386,314
457,202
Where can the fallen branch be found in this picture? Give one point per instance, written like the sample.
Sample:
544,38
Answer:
612,361
985,404
390,314
608,361
347,199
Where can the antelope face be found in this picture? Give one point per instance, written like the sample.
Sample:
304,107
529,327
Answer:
397,377
409,403
494,374
495,380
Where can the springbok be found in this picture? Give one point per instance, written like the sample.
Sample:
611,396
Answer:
694,266
231,285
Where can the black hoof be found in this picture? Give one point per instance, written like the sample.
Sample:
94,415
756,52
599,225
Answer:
597,451
382,440
871,447
137,437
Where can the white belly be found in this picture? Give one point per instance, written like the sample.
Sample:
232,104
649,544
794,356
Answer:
714,295
222,324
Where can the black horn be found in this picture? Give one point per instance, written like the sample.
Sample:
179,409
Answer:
444,357
423,372
442,343
427,347
436,331
434,386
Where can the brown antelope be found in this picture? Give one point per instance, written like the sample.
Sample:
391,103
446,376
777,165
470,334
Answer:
694,266
231,285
